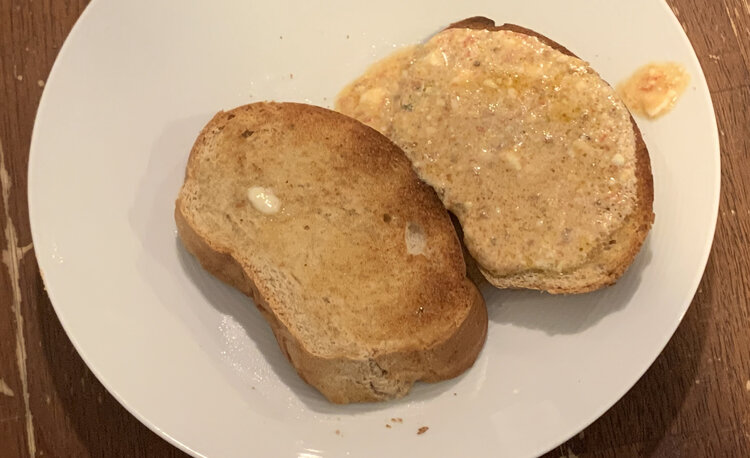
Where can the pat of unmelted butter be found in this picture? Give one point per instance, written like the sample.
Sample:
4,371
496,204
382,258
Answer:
415,239
264,200
653,89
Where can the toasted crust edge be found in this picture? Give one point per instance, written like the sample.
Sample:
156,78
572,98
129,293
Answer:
640,222
341,379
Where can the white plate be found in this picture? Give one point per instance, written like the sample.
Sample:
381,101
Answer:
193,359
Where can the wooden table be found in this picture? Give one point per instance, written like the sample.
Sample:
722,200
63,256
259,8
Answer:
694,401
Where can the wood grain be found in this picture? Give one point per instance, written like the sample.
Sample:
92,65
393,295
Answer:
693,402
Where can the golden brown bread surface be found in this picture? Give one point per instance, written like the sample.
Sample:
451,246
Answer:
360,273
534,153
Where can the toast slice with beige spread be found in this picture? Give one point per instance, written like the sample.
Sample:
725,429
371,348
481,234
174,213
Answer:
526,144
351,259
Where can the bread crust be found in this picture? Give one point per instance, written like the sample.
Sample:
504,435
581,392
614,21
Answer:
382,372
605,269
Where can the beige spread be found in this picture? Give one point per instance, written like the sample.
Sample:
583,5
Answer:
529,147
654,88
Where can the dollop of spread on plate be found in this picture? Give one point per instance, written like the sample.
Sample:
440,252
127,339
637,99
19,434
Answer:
653,89
527,146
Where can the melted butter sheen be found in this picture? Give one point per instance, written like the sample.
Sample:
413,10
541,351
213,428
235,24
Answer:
530,148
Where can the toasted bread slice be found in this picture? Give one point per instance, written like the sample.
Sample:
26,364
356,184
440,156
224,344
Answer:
533,152
351,259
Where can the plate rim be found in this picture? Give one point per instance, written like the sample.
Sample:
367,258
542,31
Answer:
604,407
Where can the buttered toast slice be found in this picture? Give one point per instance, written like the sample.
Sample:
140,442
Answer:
526,144
351,259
